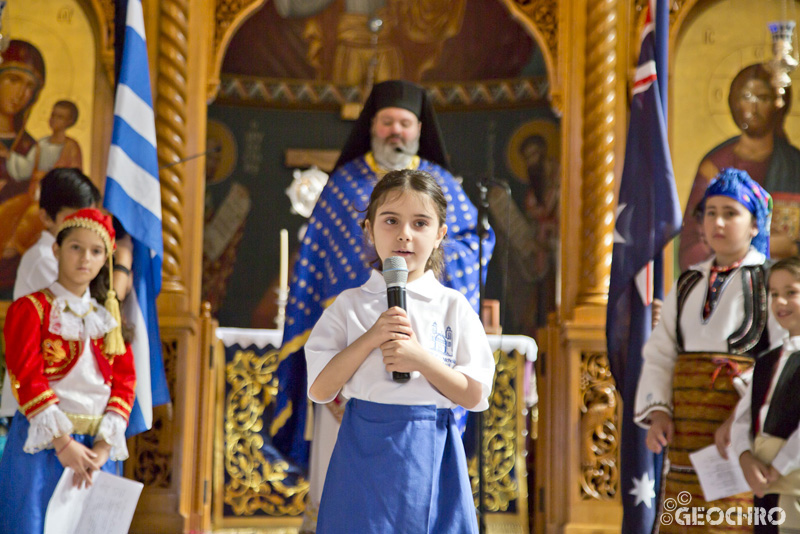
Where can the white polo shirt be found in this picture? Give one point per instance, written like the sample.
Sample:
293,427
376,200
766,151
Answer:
443,321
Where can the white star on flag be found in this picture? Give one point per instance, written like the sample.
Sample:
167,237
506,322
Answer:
644,490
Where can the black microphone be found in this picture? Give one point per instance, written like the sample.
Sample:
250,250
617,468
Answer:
395,273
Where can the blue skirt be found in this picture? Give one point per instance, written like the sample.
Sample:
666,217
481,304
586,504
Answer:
399,469
28,480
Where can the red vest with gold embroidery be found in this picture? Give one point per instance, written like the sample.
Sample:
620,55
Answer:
35,357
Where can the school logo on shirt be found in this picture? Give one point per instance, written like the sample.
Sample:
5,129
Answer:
442,344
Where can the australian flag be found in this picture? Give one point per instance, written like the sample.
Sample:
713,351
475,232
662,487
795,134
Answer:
133,196
648,217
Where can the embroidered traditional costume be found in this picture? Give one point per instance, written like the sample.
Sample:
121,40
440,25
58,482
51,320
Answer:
713,324
773,435
68,381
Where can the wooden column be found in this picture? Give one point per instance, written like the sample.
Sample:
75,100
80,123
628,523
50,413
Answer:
171,110
577,478
599,140
169,459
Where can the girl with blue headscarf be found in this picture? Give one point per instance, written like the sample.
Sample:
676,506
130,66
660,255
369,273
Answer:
714,323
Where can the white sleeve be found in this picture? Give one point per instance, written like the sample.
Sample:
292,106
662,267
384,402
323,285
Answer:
777,333
788,458
475,358
327,339
112,431
46,426
742,422
654,391
742,382
36,277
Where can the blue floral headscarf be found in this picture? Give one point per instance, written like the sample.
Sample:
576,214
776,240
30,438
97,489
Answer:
738,185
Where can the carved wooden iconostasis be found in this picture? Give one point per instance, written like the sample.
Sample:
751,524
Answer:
500,72
287,79
590,65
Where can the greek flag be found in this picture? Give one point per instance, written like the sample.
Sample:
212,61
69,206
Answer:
133,196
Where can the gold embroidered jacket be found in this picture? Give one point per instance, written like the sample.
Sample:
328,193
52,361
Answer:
35,357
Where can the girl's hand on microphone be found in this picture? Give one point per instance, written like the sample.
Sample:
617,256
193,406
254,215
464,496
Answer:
393,324
405,355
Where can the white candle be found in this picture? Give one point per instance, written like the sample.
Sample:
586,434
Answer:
284,277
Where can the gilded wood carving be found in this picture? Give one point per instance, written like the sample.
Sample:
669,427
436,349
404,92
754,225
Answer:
254,484
599,141
171,93
153,449
544,16
105,15
505,477
228,14
500,440
225,19
599,429
244,90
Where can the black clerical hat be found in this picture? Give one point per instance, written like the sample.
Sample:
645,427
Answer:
397,94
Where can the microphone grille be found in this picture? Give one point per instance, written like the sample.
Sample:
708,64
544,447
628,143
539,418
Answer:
395,271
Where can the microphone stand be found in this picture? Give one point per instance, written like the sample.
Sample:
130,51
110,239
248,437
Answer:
483,233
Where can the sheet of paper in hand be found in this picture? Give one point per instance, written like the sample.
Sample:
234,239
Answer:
105,507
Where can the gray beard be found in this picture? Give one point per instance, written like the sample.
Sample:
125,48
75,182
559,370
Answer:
389,158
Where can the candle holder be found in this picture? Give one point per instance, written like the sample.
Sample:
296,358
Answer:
283,298
783,61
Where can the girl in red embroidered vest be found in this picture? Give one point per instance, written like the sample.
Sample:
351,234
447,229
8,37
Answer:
72,375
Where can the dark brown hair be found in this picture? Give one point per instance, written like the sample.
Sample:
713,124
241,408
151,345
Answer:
791,265
66,188
70,106
418,182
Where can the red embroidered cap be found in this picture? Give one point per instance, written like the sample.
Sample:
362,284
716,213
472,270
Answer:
94,220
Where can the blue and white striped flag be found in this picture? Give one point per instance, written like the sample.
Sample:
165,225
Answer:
133,196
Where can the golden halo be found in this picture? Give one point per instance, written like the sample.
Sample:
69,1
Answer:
219,135
548,129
